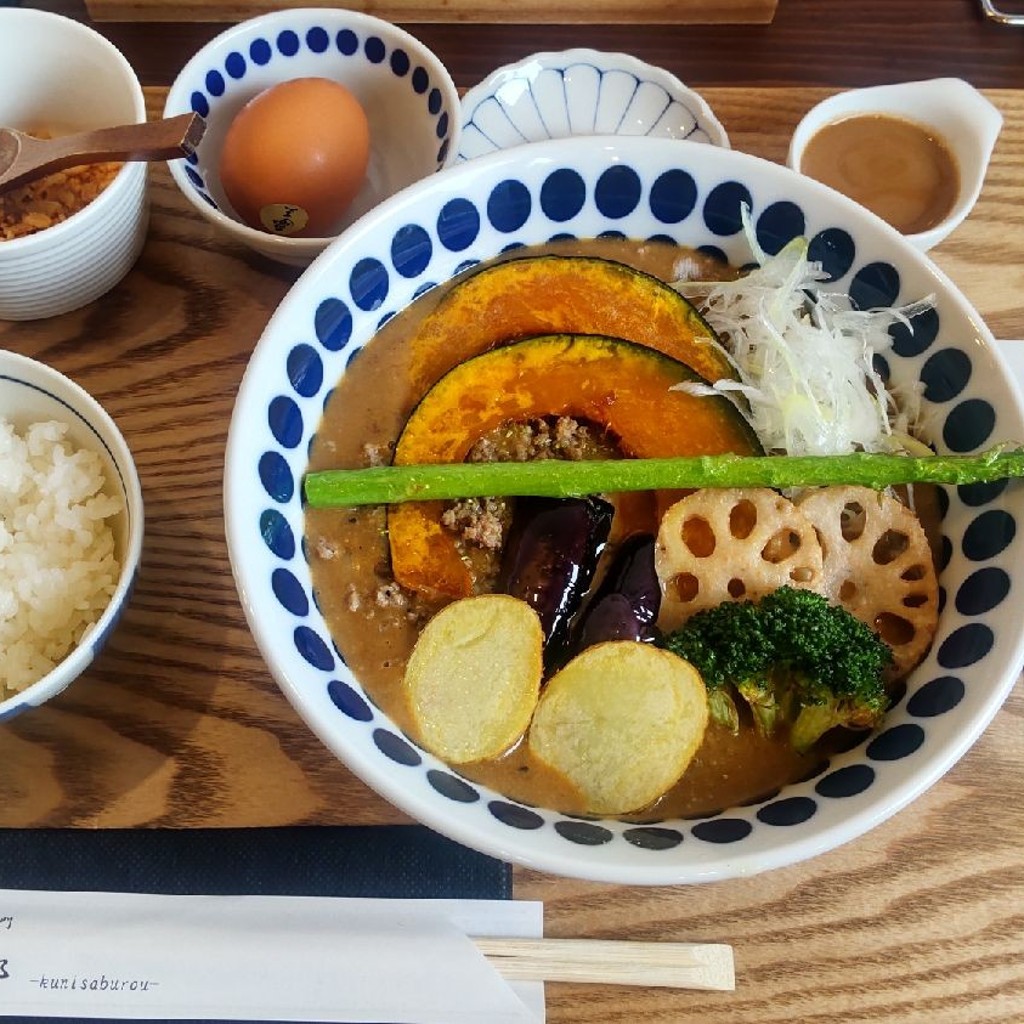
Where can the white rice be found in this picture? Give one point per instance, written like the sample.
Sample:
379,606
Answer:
58,564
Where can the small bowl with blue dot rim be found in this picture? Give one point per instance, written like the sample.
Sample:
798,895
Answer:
408,95
690,194
32,392
582,92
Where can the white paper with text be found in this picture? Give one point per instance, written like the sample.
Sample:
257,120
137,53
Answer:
284,958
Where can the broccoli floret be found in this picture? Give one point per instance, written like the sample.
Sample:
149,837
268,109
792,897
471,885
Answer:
794,658
728,647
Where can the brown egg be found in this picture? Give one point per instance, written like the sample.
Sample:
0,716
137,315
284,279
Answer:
295,157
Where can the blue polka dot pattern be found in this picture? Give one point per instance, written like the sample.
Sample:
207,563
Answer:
305,370
285,421
235,65
420,80
779,224
434,101
583,833
562,195
945,374
989,535
918,337
977,495
400,63
965,646
347,42
332,324
276,476
348,701
982,591
260,52
722,207
896,743
369,284
215,83
309,644
515,816
969,425
458,225
791,811
846,782
452,787
288,43
617,192
722,830
396,749
317,39
277,534
673,196
411,249
509,205
877,284
835,250
651,837
936,697
289,592
374,49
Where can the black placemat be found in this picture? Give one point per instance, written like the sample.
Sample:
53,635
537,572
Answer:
395,861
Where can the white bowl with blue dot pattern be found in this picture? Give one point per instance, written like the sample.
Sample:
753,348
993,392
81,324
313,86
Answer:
408,95
32,392
637,188
582,92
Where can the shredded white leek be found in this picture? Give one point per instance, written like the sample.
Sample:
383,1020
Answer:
804,358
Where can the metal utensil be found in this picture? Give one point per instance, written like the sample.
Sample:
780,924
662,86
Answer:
1000,17
24,158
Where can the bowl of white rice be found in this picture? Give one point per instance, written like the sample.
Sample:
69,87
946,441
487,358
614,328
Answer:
71,525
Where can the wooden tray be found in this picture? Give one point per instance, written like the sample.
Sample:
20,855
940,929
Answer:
553,12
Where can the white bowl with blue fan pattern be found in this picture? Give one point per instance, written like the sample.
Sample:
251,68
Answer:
582,92
638,188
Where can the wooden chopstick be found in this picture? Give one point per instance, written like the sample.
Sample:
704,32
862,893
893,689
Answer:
612,962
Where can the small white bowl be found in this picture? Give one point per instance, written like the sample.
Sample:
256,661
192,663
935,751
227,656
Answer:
32,392
409,97
582,92
951,107
60,76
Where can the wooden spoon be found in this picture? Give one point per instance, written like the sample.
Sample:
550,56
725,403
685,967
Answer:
24,158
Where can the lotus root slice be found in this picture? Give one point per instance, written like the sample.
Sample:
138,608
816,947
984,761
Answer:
878,565
732,545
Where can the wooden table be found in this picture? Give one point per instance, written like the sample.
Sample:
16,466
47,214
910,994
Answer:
179,724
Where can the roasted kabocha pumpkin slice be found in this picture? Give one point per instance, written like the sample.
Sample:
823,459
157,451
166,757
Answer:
622,388
561,295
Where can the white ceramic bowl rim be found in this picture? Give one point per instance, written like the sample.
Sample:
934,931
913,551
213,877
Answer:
839,821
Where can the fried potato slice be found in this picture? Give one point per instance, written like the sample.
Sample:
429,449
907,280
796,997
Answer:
878,565
729,545
621,722
473,677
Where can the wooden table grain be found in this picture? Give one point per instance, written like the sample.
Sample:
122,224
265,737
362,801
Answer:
178,724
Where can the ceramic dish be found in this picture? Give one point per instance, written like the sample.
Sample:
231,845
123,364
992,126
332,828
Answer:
44,59
408,96
638,188
949,108
582,92
32,392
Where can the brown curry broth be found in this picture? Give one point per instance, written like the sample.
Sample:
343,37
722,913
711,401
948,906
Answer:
369,406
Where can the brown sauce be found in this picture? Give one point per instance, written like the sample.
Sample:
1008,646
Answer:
898,169
375,629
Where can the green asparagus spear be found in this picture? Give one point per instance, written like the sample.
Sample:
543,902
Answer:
559,479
